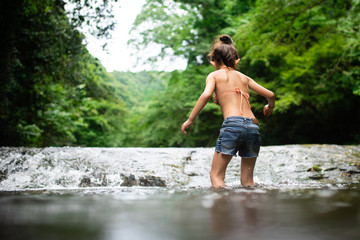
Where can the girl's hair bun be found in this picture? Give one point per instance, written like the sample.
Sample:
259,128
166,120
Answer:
226,39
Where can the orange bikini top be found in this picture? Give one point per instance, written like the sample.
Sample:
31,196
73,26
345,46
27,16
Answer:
237,90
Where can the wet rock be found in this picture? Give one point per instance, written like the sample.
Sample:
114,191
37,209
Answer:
192,174
47,162
147,181
330,169
104,182
3,175
98,181
188,158
129,181
85,182
318,176
102,179
349,171
28,151
62,181
152,181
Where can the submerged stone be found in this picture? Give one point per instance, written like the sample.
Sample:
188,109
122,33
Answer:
146,181
85,182
318,176
330,169
152,181
129,181
3,175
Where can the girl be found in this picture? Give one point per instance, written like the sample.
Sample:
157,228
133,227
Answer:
240,129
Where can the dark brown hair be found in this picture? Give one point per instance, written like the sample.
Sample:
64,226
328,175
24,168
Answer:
224,51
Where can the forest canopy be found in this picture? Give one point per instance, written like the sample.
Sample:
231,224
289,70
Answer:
54,93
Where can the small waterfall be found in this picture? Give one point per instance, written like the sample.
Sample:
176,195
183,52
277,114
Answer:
288,166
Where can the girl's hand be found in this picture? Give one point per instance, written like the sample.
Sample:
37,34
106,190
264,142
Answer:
268,110
186,125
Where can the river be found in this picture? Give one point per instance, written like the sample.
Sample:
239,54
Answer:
302,192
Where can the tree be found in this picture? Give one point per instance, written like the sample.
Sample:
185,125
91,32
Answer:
52,91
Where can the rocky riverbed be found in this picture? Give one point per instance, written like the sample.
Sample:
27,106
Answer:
298,166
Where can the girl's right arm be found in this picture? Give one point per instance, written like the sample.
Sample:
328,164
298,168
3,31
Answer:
200,104
269,95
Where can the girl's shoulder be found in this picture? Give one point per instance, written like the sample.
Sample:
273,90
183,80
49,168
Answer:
243,76
221,74
215,74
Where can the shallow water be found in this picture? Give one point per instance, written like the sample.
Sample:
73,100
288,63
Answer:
192,213
76,193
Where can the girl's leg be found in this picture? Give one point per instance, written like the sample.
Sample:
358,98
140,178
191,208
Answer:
218,169
247,171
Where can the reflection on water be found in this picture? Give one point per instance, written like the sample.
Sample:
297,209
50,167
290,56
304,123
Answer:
303,192
182,213
235,216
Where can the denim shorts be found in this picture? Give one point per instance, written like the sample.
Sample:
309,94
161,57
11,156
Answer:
239,135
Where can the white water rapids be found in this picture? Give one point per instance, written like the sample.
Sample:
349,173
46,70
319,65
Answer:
277,167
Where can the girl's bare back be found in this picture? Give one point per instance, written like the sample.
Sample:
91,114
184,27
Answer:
232,93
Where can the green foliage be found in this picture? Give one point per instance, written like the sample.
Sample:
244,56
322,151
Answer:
137,89
138,92
310,49
164,115
53,91
186,27
307,52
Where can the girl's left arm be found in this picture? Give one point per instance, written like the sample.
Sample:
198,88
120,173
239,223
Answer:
201,102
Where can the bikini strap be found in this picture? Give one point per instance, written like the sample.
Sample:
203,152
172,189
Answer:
245,95
237,90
